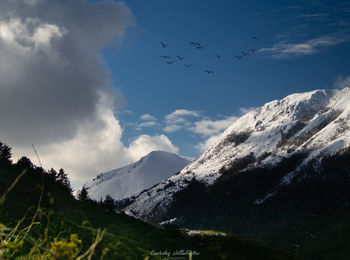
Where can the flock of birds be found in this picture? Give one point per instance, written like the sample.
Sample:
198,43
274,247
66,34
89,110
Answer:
198,46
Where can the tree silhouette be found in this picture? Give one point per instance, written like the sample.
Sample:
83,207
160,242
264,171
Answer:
83,194
52,172
24,163
109,203
5,153
62,177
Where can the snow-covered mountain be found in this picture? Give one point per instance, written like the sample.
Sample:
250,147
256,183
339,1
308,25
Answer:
315,123
136,177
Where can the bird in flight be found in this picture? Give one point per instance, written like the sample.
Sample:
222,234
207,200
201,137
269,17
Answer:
170,62
195,43
188,65
244,53
239,57
199,47
164,44
165,57
255,38
209,71
180,58
218,56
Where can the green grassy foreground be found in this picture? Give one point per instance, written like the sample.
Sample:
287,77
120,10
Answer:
40,219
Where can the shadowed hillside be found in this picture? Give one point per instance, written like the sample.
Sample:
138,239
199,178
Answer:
42,220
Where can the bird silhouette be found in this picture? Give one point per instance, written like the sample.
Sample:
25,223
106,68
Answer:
195,43
198,46
180,58
164,44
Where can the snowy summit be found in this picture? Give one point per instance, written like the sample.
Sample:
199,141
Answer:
136,177
316,123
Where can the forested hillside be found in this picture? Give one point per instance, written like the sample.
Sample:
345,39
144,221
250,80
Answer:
40,219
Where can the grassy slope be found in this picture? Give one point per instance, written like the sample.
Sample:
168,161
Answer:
125,238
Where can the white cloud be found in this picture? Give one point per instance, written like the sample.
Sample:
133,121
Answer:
179,119
45,32
55,91
29,37
193,121
179,114
50,66
245,110
147,117
56,95
211,127
342,82
147,124
202,146
287,50
172,128
148,121
124,111
95,148
312,15
145,144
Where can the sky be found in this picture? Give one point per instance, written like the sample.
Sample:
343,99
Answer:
84,81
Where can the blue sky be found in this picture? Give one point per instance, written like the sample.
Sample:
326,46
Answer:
94,94
302,46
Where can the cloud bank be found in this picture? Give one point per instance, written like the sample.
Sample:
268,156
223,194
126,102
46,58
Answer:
56,92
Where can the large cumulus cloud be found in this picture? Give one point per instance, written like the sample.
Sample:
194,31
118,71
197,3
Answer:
50,67
55,88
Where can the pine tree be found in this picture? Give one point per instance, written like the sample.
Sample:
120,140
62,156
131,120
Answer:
52,172
5,153
62,177
109,203
83,195
25,163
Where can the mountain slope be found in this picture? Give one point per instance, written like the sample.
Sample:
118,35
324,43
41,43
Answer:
40,219
316,122
279,174
136,177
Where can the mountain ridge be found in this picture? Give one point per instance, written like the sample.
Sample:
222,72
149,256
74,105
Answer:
314,121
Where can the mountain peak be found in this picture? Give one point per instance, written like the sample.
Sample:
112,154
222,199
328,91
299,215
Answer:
136,177
314,122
